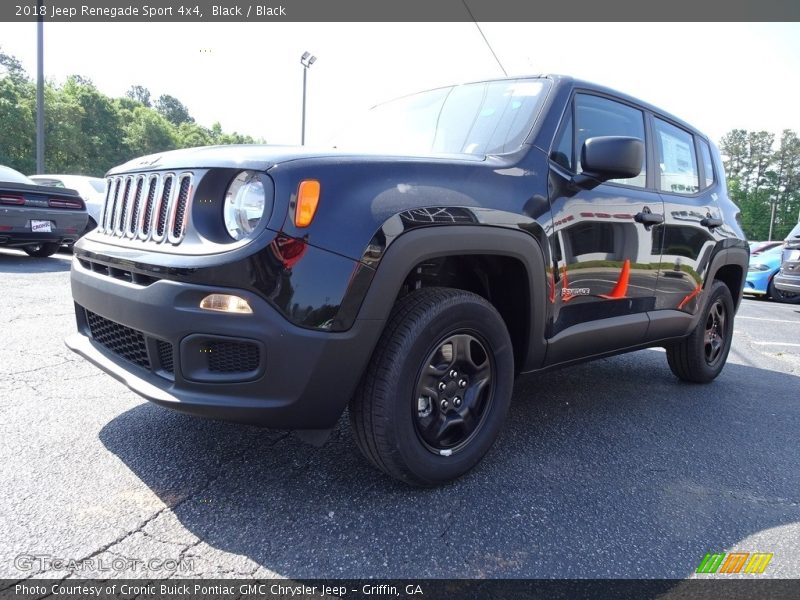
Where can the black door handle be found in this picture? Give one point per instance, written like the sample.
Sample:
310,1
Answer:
711,222
648,218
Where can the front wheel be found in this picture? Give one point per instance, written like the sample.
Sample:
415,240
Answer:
699,358
42,250
437,389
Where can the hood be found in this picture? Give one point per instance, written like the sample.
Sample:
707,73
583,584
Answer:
247,156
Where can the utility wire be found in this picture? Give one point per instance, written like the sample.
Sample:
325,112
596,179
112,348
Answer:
502,68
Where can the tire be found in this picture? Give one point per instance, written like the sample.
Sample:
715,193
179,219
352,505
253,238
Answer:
425,413
42,250
775,294
700,357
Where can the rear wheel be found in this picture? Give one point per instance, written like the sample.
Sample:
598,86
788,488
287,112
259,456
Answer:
42,250
437,390
700,357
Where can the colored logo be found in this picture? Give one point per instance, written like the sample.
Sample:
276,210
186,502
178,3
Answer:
735,562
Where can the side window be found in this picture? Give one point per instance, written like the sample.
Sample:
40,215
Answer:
678,162
562,149
596,116
708,164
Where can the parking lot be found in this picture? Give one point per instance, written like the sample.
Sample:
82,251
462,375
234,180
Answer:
608,469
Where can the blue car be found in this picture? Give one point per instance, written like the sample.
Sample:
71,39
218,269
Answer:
764,264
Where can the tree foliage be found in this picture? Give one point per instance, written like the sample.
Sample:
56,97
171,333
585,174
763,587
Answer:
140,94
764,180
87,132
173,110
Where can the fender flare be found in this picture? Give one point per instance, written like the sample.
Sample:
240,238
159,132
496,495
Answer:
738,255
427,243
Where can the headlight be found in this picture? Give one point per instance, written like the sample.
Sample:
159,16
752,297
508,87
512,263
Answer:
245,202
758,267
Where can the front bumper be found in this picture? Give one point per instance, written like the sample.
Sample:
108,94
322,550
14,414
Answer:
757,282
303,380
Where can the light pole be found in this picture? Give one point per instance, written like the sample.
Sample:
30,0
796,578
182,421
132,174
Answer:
40,90
306,60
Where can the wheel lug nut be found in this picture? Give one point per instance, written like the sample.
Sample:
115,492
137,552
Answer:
442,386
456,401
462,383
445,404
453,373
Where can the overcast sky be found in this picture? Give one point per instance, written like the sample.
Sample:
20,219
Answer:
247,76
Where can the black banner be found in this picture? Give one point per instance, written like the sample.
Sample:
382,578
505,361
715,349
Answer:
396,10
439,589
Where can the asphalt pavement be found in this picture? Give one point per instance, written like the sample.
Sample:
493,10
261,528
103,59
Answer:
608,469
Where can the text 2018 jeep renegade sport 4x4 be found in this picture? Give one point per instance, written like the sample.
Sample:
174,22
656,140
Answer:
474,233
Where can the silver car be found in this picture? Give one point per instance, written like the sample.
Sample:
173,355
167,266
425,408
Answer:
788,278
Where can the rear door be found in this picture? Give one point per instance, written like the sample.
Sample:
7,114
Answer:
687,181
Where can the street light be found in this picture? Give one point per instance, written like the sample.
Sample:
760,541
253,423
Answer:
306,60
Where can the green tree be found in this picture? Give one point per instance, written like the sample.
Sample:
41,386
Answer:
764,182
191,135
87,132
173,110
101,127
148,133
139,94
10,66
65,144
17,124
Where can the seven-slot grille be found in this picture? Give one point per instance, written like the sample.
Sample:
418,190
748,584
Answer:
148,206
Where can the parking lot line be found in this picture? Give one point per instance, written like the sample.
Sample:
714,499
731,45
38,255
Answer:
770,320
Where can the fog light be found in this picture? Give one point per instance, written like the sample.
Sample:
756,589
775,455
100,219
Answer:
226,303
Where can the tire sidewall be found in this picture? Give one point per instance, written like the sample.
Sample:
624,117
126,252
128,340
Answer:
450,318
720,292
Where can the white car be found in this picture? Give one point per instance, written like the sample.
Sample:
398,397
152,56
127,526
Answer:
91,189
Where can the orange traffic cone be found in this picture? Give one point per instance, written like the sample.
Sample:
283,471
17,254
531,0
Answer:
621,289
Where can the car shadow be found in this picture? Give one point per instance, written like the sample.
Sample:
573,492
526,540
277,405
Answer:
16,261
607,469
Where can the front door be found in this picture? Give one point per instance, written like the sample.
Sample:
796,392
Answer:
604,241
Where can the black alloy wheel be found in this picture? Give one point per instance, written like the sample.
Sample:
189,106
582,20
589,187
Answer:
454,392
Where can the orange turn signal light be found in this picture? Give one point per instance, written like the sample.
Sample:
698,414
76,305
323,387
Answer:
307,201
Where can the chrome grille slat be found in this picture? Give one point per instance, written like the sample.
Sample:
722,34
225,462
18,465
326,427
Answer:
177,216
112,207
153,188
148,207
167,197
104,214
122,207
133,211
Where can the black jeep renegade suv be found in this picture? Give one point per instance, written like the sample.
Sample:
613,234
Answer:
472,234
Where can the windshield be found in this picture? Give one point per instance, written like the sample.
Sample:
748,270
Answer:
12,176
492,117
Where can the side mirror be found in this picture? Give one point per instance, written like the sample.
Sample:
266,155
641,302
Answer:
609,157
